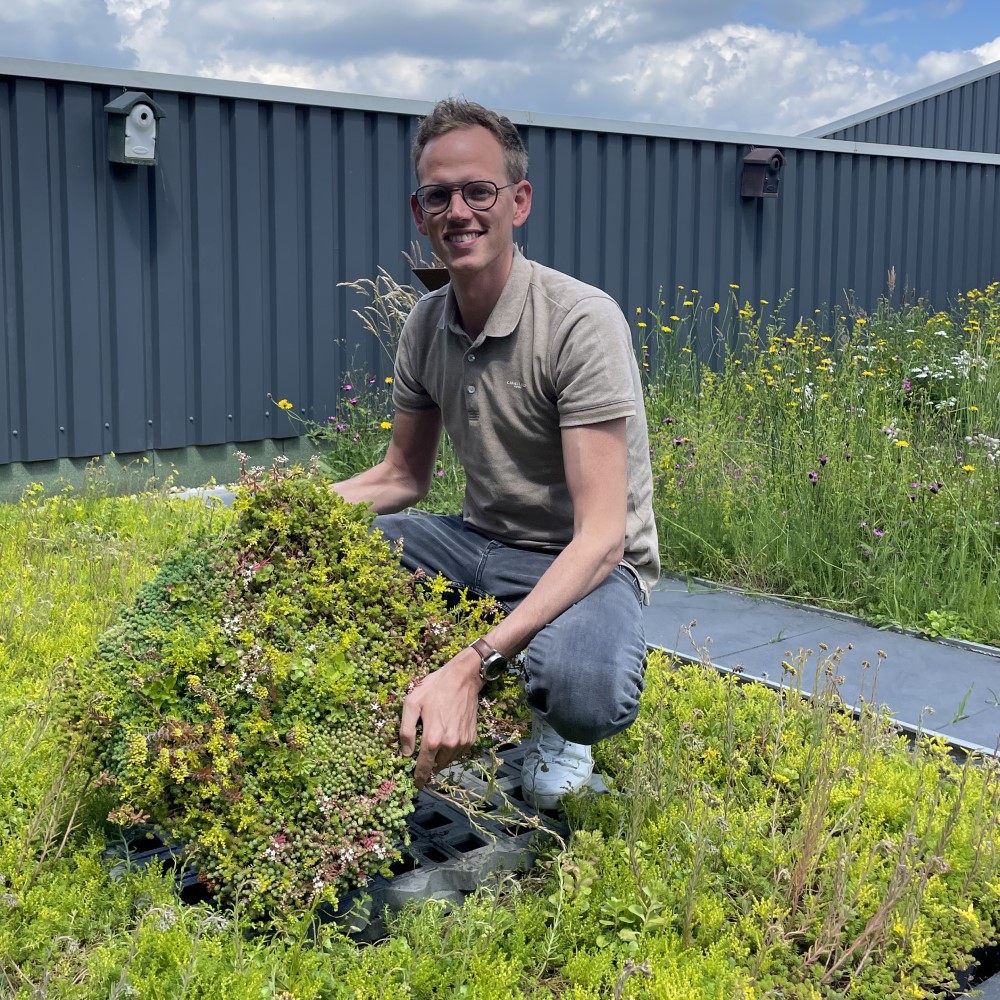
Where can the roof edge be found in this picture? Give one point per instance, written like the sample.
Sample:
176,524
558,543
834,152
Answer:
934,90
140,79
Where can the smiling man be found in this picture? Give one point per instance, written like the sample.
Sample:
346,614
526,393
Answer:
532,374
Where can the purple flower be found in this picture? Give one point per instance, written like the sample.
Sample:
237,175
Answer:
353,401
814,478
669,420
847,455
822,460
340,428
878,532
934,487
347,387
907,385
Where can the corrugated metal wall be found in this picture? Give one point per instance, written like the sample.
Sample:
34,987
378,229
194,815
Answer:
154,308
964,117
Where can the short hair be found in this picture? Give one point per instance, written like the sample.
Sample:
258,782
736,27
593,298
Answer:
456,112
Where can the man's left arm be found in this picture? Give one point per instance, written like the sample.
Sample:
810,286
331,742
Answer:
595,457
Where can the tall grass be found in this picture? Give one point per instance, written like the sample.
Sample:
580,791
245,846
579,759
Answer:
852,461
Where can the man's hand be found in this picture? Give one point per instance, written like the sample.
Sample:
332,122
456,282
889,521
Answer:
445,703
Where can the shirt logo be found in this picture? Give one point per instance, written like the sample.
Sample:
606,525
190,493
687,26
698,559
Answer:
515,383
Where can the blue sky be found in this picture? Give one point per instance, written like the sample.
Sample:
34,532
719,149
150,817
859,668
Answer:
774,66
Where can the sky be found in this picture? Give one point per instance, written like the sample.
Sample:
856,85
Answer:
777,67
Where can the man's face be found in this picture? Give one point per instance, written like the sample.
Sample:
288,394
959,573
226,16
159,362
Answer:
467,241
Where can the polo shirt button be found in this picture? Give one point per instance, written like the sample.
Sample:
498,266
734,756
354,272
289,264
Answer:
470,389
472,357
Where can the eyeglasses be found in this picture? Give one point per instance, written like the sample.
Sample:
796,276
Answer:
480,196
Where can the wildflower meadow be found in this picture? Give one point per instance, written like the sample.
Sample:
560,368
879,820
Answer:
847,459
850,460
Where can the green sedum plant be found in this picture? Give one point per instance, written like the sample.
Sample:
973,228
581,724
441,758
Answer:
247,704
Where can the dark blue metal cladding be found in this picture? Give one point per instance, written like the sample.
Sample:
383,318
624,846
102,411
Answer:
158,307
966,117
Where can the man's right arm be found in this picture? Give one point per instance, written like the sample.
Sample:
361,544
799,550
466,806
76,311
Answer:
404,476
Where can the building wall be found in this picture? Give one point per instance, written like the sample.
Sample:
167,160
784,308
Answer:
154,308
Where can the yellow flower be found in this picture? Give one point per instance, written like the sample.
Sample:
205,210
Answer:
715,308
676,319
902,444
388,380
667,329
764,302
638,310
973,409
385,425
283,404
688,302
694,291
861,321
968,468
868,374
642,326
731,285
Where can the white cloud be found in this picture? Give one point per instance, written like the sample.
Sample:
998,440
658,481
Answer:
990,52
399,75
143,24
749,78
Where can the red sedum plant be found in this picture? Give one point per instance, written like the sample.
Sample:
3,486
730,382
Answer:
247,704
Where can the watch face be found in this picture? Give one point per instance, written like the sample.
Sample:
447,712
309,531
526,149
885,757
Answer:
493,667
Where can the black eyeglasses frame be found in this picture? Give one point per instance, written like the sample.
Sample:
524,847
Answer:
452,188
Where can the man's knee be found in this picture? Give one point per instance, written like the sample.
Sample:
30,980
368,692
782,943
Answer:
590,699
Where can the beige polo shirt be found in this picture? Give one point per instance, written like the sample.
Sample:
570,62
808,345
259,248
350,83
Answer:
555,353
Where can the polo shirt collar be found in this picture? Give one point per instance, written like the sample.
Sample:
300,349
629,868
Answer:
509,308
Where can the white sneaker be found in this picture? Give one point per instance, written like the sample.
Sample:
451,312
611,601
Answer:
553,766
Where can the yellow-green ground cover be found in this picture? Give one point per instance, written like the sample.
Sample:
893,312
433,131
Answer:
755,845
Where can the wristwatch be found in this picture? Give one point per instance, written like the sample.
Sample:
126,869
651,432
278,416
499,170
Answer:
494,664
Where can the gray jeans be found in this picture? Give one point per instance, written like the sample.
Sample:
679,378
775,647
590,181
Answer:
583,671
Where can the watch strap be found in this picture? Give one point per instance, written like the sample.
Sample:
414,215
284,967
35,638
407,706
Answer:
493,662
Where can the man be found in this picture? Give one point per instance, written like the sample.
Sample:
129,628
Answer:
533,376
